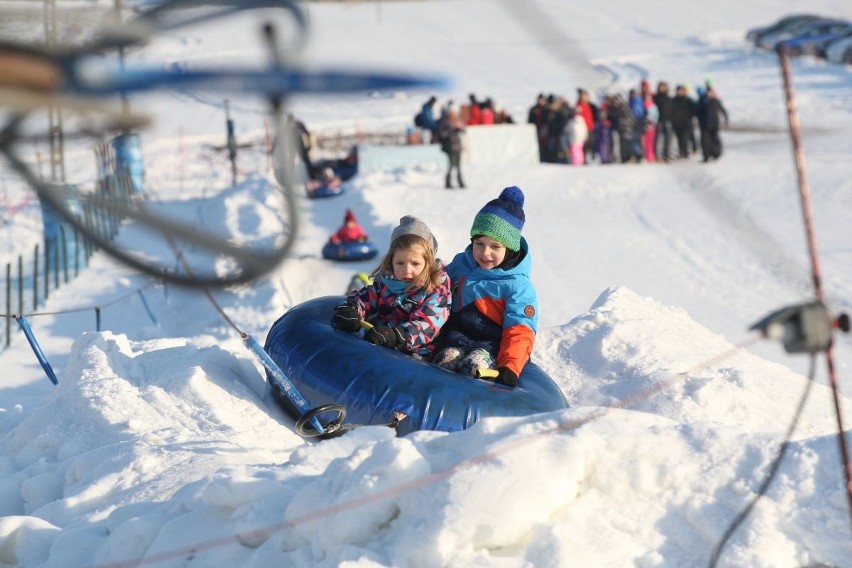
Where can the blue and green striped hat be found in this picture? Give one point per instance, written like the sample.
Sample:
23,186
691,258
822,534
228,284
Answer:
502,219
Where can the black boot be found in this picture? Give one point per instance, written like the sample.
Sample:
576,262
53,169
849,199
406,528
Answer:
461,183
447,183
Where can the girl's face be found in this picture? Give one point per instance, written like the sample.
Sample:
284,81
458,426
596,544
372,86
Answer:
409,263
488,253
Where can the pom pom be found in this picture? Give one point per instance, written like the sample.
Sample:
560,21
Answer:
513,194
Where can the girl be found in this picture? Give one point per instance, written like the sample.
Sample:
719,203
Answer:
409,299
495,308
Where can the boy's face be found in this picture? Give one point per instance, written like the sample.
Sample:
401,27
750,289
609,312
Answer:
488,253
409,263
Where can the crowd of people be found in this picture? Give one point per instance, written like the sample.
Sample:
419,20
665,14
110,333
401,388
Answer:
645,125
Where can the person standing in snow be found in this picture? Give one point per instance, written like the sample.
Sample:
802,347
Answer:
449,135
589,111
663,101
711,113
494,317
630,146
537,116
578,136
428,120
649,135
683,112
408,301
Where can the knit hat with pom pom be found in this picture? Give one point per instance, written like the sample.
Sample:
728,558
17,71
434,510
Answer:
502,219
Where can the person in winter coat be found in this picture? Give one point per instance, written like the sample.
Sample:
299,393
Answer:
649,136
590,113
578,136
494,317
683,113
663,140
603,138
428,121
710,113
629,131
408,301
449,135
475,111
558,116
537,115
636,101
487,115
350,232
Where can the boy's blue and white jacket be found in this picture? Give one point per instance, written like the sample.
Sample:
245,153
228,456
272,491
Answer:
495,309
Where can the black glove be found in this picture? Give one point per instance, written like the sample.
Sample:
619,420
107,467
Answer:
384,335
506,376
346,318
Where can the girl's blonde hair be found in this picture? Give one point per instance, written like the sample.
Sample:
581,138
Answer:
431,276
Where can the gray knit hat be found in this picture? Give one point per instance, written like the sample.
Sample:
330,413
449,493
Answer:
410,225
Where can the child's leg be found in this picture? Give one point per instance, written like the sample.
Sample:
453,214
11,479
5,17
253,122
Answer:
448,358
476,359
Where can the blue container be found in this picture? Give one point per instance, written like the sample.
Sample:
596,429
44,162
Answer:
128,158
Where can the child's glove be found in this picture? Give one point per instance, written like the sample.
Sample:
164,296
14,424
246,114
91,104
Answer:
506,376
346,318
383,335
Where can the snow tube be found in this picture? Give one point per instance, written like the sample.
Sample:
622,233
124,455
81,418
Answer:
349,251
325,191
329,366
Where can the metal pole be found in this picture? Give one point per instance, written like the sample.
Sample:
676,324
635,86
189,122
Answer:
64,245
35,278
20,284
232,142
8,303
807,212
125,103
46,269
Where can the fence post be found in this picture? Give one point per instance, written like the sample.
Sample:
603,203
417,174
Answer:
35,278
56,264
76,252
64,243
46,269
8,303
20,283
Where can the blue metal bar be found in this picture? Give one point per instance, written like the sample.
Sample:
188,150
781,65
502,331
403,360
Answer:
287,387
45,364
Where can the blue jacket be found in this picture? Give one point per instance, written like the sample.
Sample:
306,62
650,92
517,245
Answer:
493,309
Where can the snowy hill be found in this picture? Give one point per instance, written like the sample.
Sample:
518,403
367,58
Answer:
162,447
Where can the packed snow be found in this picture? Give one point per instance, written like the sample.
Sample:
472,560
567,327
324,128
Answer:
161,445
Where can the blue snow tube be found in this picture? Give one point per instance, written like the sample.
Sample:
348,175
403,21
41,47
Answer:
349,251
331,366
325,191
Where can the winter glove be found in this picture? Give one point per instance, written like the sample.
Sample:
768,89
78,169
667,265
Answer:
346,318
383,335
506,376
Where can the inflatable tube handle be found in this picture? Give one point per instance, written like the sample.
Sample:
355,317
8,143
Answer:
286,386
365,324
487,374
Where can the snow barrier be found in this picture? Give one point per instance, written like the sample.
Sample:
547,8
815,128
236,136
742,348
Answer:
498,143
501,143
